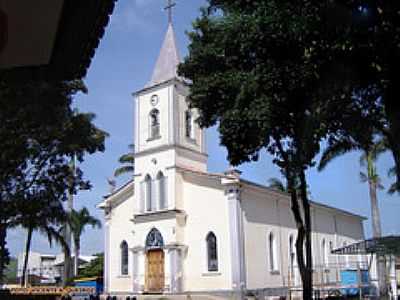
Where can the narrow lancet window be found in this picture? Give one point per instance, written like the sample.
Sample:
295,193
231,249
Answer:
162,190
273,258
124,258
148,193
212,252
189,126
154,124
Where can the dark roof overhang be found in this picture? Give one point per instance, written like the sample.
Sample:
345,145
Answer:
388,245
80,27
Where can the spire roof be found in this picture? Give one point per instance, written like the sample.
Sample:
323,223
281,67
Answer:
168,60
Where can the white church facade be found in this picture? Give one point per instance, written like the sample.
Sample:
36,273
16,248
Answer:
176,228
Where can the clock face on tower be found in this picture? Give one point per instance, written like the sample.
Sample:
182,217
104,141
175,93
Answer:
154,100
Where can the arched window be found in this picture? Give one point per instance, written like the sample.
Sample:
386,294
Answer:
273,255
162,190
212,252
154,124
154,240
292,257
124,258
189,125
324,253
148,193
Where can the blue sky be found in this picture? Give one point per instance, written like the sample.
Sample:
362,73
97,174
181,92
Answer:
123,64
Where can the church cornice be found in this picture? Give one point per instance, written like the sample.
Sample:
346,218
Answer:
118,196
158,215
160,85
169,147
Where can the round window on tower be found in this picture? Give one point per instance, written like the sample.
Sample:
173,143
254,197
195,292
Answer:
154,100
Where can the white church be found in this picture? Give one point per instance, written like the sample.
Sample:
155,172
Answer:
178,229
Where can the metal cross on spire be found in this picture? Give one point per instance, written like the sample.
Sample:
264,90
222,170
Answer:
170,5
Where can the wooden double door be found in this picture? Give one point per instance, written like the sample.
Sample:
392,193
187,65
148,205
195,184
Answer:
155,278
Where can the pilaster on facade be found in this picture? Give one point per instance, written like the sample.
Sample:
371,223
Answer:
236,232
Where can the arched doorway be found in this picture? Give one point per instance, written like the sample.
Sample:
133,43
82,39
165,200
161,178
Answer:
155,278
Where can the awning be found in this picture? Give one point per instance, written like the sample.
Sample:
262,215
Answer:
51,39
388,245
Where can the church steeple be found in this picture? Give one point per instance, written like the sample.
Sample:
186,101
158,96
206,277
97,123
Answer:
166,133
168,59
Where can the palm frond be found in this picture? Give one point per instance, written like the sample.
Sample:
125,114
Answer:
373,151
336,149
379,147
55,234
80,219
391,172
395,187
363,177
127,158
276,184
363,159
123,170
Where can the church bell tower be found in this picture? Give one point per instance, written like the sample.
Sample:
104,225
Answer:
166,136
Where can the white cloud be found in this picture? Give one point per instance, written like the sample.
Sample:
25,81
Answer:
136,15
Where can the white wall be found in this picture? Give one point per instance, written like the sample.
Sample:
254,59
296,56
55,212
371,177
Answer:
207,210
266,211
121,227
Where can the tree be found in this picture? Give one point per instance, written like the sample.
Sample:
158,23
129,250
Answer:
370,153
372,40
253,69
95,268
40,132
128,162
38,213
78,220
277,184
11,271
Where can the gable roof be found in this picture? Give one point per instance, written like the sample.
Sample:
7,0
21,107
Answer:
168,60
112,197
269,189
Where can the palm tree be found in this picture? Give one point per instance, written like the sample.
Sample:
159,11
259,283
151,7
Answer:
42,216
78,220
370,153
368,158
128,162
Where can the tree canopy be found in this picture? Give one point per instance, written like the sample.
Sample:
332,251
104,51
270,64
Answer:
40,133
283,75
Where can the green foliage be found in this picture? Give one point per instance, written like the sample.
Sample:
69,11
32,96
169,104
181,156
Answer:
128,162
277,184
94,268
40,132
11,271
254,70
78,220
283,75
